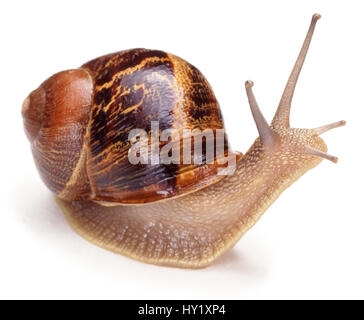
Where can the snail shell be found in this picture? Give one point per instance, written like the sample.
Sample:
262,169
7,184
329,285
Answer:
78,122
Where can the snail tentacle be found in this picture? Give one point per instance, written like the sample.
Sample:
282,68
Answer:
281,118
267,136
325,128
315,152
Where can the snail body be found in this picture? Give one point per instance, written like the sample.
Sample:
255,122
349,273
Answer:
178,215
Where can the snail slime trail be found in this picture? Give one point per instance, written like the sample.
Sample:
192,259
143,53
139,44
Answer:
154,208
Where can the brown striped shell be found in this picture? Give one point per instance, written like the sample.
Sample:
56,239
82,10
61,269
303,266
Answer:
78,122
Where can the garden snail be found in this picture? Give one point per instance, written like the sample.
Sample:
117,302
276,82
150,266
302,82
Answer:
186,215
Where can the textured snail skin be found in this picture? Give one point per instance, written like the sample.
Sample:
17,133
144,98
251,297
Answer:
201,215
194,230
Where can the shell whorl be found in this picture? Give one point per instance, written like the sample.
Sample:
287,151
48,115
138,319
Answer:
55,117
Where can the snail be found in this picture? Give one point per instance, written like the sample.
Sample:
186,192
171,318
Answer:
183,215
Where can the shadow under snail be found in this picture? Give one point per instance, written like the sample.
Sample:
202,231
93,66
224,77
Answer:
182,215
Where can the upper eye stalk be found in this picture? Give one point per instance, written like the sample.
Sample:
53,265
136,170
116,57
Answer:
281,119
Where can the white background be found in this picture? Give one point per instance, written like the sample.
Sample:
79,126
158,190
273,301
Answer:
309,244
